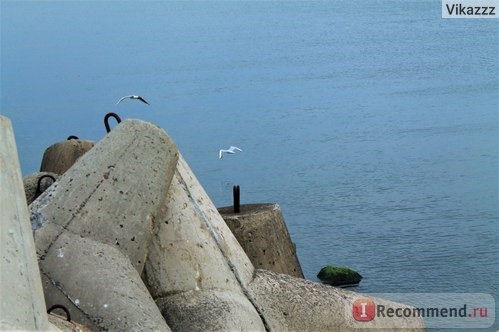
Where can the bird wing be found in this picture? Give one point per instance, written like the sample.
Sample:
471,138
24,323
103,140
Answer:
142,100
220,154
119,101
235,148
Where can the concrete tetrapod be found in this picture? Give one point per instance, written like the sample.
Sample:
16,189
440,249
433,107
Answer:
290,303
59,157
22,305
64,325
196,270
110,195
99,286
262,232
31,184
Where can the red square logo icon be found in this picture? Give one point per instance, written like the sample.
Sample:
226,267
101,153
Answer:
363,310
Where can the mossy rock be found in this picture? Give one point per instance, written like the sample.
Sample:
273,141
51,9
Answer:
338,276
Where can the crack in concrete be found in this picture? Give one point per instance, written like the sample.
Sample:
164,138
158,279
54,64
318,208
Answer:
231,265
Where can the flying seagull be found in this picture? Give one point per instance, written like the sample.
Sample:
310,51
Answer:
230,150
133,97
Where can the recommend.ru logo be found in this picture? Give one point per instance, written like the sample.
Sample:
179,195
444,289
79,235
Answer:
438,310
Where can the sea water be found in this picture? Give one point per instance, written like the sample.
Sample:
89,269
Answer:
373,124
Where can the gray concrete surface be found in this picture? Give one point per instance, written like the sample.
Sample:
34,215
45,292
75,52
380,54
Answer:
196,263
295,304
99,286
209,310
31,184
262,232
22,306
59,157
112,193
128,239
109,201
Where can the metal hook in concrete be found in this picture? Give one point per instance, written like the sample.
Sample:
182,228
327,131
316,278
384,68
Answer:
237,199
72,137
60,306
106,119
38,191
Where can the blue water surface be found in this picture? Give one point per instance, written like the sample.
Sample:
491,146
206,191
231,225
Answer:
373,124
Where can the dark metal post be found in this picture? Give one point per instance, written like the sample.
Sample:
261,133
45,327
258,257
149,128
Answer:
237,199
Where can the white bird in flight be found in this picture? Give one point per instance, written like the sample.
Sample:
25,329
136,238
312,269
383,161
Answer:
230,150
133,97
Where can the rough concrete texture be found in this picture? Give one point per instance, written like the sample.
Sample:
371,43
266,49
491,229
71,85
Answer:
290,303
131,202
211,310
21,306
99,286
31,184
262,232
59,157
112,193
109,197
194,253
193,248
61,323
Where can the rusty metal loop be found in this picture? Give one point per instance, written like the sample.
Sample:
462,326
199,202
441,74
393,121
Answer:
38,191
106,120
60,306
237,198
72,137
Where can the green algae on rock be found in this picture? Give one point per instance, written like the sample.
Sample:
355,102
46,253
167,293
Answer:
338,276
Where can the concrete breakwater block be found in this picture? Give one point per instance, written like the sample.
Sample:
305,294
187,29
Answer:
290,303
127,238
209,310
64,325
111,195
35,184
196,270
59,157
99,286
262,232
22,306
